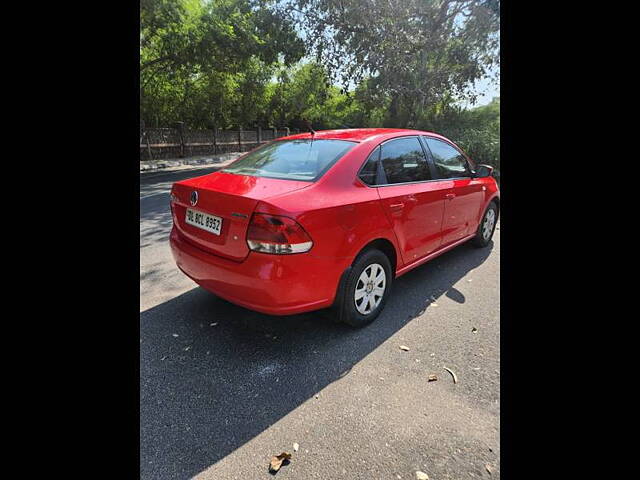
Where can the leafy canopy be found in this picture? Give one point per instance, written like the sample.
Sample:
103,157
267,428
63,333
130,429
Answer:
418,52
336,63
190,47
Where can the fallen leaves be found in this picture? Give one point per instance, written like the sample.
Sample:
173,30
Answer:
489,468
453,374
278,461
432,377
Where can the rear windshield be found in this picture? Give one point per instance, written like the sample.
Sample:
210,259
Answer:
305,160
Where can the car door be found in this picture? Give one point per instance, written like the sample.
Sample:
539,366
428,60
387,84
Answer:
413,203
464,194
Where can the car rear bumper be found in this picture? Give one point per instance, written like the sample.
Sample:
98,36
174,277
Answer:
271,284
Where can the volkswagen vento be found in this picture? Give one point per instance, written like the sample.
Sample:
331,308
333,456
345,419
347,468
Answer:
330,219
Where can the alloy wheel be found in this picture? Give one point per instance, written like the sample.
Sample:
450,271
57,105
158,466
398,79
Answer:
370,288
489,221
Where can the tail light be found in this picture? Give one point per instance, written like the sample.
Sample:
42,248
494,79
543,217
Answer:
276,234
172,199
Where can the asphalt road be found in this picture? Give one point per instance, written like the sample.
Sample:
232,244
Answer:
223,389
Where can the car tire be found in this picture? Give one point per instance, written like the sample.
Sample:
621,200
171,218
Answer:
487,226
363,276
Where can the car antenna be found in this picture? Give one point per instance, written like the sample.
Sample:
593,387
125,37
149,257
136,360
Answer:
307,124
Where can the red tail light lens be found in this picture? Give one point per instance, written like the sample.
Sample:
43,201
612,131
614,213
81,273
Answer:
276,234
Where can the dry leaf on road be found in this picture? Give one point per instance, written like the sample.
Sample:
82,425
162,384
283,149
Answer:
453,374
404,347
432,378
421,475
278,460
489,468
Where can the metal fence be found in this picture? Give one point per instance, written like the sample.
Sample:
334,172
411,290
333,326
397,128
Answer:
180,142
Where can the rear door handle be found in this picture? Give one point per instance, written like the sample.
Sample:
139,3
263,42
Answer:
450,196
396,206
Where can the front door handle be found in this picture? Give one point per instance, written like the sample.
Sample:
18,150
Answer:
396,206
450,196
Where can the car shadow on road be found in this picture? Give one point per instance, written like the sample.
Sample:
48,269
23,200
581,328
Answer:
214,375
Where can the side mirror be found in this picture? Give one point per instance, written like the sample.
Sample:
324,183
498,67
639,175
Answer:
484,171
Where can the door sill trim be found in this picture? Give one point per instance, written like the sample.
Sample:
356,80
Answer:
432,255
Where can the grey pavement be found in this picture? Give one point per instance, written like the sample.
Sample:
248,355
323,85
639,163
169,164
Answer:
188,162
222,389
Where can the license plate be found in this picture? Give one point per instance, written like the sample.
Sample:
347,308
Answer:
207,222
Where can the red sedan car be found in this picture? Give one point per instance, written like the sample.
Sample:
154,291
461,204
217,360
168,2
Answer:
329,219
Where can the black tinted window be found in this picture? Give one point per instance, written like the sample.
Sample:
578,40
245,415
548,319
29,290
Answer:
369,173
450,163
403,161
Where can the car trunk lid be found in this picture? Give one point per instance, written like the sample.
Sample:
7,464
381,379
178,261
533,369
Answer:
230,197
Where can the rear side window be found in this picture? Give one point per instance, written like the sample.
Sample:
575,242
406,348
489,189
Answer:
449,162
369,173
305,159
403,161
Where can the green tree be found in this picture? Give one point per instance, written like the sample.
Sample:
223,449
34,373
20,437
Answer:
477,130
188,47
300,94
418,53
402,64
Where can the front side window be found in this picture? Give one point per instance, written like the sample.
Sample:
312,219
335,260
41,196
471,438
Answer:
450,163
403,161
304,159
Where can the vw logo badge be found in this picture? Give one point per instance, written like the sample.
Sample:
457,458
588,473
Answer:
194,198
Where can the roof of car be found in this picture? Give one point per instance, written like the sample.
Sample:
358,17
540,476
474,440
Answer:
354,134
